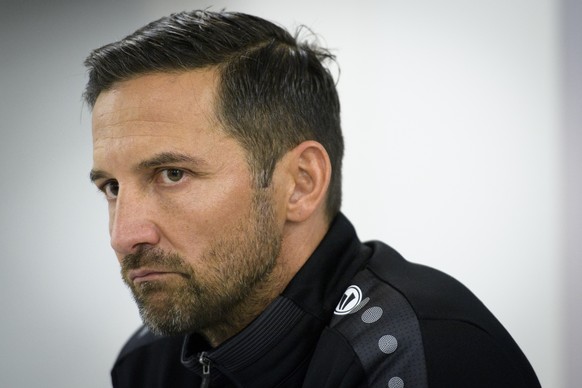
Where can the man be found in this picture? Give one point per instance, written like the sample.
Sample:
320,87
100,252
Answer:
217,144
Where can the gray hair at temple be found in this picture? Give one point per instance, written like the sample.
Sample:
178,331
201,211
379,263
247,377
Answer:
274,91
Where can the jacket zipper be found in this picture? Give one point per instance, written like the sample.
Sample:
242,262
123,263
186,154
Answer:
205,362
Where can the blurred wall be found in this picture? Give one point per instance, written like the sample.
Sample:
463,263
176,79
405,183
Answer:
572,174
453,116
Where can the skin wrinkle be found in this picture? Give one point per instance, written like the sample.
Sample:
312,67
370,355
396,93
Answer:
121,137
137,136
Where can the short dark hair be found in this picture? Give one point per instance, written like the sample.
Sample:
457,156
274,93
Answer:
274,91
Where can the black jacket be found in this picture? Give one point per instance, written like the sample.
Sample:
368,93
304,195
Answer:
355,315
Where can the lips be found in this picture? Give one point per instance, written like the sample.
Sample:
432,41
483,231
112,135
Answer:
145,274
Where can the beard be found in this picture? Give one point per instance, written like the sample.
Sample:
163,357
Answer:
236,263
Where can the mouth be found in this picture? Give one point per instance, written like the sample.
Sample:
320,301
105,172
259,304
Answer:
146,275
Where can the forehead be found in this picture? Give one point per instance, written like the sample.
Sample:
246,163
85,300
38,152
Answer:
147,102
160,113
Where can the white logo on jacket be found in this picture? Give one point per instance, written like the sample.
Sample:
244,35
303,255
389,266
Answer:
350,300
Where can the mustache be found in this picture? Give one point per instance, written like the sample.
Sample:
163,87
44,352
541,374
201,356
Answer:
154,258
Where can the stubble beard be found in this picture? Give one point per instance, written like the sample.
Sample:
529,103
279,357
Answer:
238,262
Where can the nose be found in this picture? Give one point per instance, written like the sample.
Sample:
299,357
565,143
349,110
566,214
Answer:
131,224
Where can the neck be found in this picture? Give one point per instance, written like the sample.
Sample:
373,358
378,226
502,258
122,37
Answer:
246,310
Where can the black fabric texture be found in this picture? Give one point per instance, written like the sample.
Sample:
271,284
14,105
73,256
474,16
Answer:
433,332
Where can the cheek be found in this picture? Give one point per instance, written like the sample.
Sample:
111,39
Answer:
202,213
194,214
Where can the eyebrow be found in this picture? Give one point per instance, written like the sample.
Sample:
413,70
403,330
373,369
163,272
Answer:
165,158
161,159
95,175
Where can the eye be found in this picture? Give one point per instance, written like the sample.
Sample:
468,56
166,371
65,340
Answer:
172,175
111,189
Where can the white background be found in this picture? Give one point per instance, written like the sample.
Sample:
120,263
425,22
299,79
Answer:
462,133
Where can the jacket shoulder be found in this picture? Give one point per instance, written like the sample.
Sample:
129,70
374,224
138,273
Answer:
462,341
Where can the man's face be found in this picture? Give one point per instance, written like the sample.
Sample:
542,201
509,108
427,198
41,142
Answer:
193,235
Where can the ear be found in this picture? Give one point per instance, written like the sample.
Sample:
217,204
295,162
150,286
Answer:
310,170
